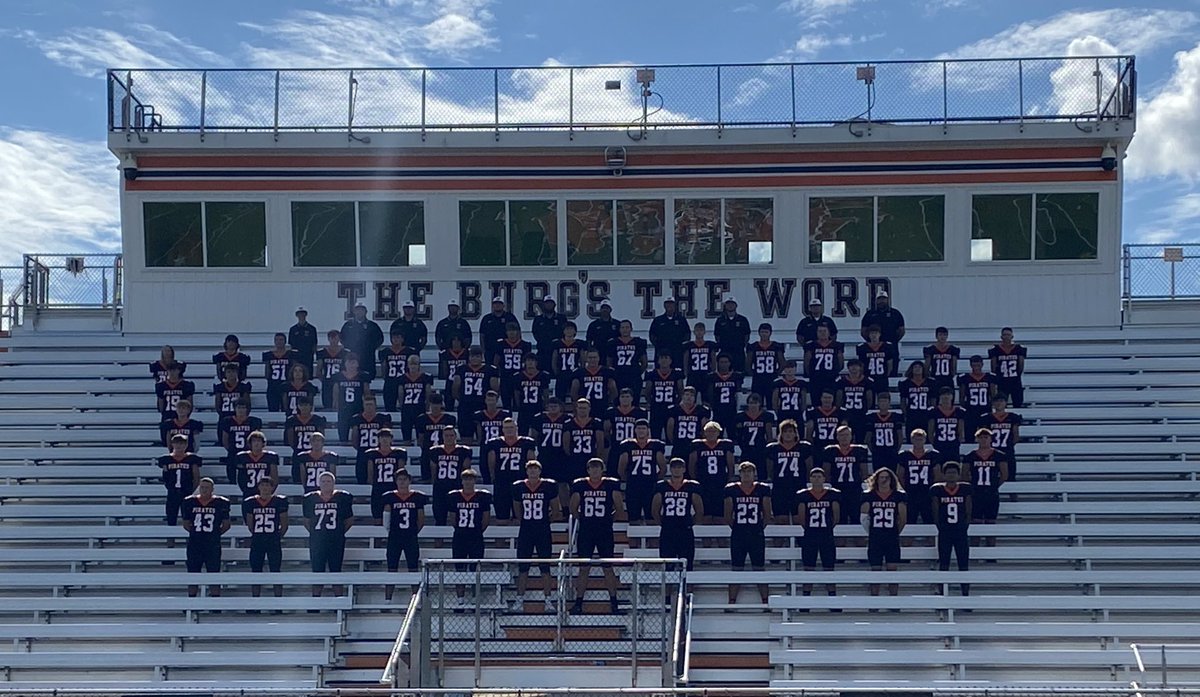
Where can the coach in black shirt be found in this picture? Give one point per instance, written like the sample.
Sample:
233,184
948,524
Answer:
414,331
363,337
669,332
302,337
815,317
492,328
604,328
732,332
889,319
547,327
452,325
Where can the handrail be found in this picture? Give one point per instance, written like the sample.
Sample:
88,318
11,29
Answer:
1162,649
677,636
685,676
414,605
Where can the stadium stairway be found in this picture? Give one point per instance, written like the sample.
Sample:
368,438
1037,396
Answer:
1098,543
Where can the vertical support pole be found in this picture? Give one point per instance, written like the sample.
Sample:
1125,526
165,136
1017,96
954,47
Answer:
1163,649
424,84
127,103
276,118
720,124
1099,88
570,104
423,643
634,613
1021,90
350,104
441,677
793,79
478,592
1172,280
1126,270
496,100
945,97
203,101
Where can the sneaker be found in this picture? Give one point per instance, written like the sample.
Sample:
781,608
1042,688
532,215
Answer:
518,604
577,606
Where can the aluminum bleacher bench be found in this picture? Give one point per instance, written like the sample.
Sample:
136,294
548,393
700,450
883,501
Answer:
247,629
1107,632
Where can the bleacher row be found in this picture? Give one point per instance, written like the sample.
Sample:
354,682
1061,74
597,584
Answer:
1099,547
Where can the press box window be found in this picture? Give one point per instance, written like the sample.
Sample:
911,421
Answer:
724,231
1019,227
864,229
508,233
363,233
603,232
214,234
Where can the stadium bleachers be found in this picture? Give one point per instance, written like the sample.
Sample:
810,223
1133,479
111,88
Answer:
1098,547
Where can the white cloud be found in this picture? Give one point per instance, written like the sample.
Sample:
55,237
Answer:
819,12
1179,221
56,195
810,45
935,6
1168,136
88,51
1129,30
373,32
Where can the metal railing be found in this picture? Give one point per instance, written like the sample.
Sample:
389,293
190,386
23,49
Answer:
1083,90
1160,651
1160,271
463,614
66,281
973,690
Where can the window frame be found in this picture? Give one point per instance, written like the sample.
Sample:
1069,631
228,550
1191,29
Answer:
772,196
187,197
355,201
875,195
559,232
1033,212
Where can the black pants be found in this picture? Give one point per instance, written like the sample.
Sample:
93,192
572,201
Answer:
406,545
268,548
408,420
203,553
391,394
1015,391
957,541
441,501
326,552
175,499
920,507
327,394
360,467
816,545
275,396
639,494
678,544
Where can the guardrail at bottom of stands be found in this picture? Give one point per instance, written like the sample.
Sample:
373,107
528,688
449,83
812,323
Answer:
472,610
1148,652
974,690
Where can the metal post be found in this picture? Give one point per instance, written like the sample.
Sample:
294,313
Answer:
1127,267
276,122
1099,87
634,611
496,100
793,78
945,97
570,103
426,610
127,103
203,101
719,124
350,104
424,76
1163,648
441,678
478,624
1021,90
1172,280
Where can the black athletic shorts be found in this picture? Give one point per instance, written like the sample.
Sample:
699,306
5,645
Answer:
203,554
883,549
378,489
175,499
595,542
712,494
678,543
985,503
814,545
407,546
466,545
534,542
783,497
747,542
326,553
268,548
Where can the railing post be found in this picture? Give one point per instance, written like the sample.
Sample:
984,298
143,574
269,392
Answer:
570,104
1126,270
1099,89
276,117
496,100
1021,90
1163,648
720,126
478,592
203,101
945,96
793,78
634,612
350,104
424,79
127,102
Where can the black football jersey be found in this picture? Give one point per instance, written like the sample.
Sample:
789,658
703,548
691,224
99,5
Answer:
530,391
723,392
846,466
368,431
490,424
978,391
857,397
1008,362
789,467
919,472
330,364
171,393
569,356
952,504
917,397
822,358
885,432
206,517
941,361
405,510
597,502
178,473
945,431
229,395
626,357
429,428
699,359
752,433
328,515
510,457
788,396
188,429
549,435
238,360
877,357
749,508
511,356
620,423
264,517
414,390
533,503
883,512
276,365
348,391
394,363
475,383
252,470
593,386
448,463
818,509
985,468
663,388
383,467
302,430
712,461
765,361
825,424
689,424
1003,430
467,512
582,440
642,458
293,394
313,464
678,509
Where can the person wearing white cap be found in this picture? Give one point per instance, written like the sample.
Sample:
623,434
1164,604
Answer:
604,328
303,338
493,328
889,319
414,331
668,333
814,316
547,328
732,332
452,325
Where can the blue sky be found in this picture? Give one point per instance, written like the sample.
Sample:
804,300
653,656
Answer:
58,182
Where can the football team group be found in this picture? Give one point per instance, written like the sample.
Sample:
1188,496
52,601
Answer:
673,431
